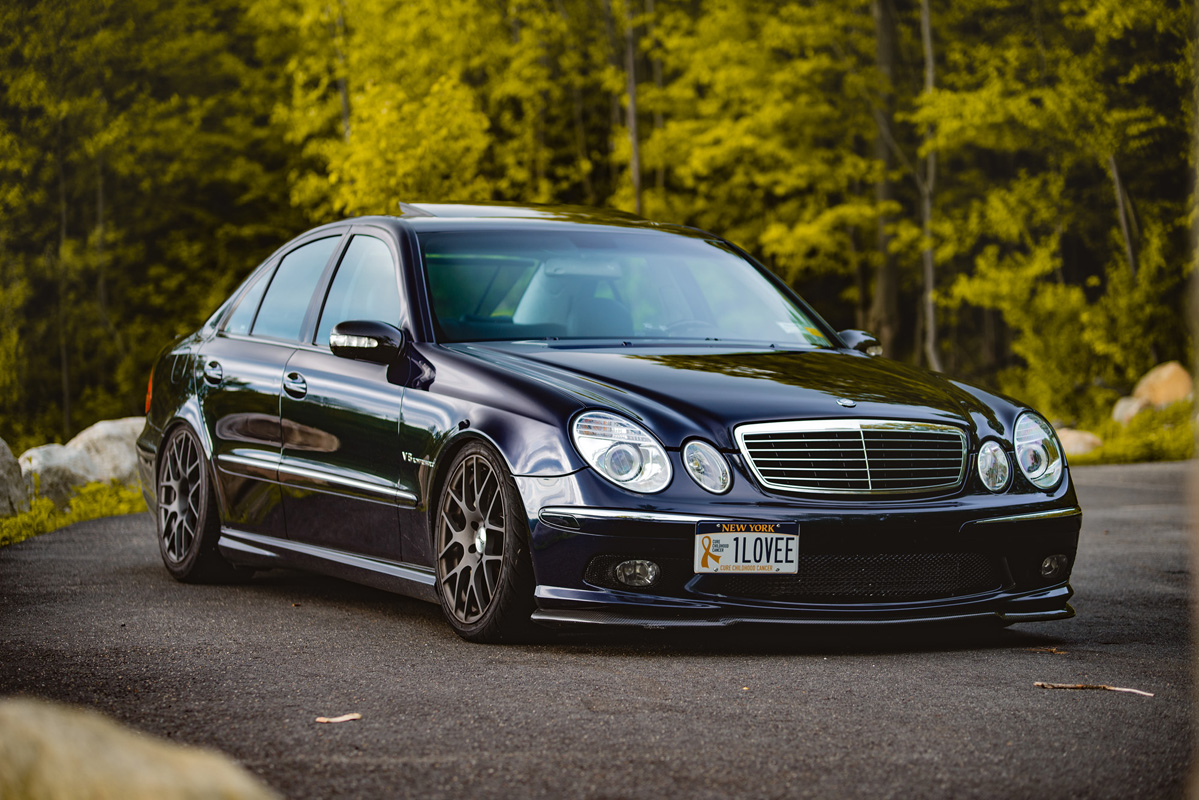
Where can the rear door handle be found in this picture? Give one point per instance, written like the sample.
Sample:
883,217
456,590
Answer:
213,373
295,385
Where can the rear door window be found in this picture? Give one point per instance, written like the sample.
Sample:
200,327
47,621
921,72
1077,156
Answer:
242,317
281,315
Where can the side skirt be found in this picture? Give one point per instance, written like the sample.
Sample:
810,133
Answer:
266,552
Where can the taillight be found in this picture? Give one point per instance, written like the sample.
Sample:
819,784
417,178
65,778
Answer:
149,390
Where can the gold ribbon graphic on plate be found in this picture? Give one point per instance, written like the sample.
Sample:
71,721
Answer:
707,543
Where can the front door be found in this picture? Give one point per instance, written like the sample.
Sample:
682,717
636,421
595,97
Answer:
340,419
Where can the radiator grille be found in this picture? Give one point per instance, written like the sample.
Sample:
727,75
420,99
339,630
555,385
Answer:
855,456
884,577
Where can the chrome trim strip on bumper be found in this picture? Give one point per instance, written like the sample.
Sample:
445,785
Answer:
583,512
240,540
1056,513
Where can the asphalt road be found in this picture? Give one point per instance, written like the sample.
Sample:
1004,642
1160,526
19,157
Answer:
88,615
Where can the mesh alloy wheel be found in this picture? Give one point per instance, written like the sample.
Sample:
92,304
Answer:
188,521
180,497
484,575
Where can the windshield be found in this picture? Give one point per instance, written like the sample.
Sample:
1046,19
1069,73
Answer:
509,285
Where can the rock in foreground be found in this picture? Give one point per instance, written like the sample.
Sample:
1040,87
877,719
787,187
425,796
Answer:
54,751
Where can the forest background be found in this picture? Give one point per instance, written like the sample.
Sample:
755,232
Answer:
1000,189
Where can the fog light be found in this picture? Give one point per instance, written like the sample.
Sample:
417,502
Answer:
637,573
1055,566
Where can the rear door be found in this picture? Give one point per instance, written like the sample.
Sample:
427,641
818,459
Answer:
240,381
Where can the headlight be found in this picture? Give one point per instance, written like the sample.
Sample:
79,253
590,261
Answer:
706,466
994,468
622,451
1037,451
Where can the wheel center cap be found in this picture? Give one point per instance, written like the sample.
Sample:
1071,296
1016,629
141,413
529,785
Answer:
480,537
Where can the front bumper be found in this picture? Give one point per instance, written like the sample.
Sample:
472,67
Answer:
568,541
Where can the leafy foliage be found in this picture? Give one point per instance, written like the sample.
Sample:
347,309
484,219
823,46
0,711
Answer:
93,501
153,151
1152,435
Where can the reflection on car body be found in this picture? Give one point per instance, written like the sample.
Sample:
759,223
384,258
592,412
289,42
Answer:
541,416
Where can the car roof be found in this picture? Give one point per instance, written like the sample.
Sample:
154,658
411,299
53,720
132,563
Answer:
499,210
431,217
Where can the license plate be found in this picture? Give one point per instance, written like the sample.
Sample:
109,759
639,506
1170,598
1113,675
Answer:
747,547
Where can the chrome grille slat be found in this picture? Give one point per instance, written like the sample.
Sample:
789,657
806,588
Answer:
855,456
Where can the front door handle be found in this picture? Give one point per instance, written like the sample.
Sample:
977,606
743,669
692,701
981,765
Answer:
295,385
213,373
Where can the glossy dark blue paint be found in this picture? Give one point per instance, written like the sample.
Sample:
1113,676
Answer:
341,476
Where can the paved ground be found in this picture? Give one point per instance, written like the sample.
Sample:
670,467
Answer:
89,615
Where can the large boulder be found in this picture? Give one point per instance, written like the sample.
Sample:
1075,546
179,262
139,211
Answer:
14,494
54,470
1128,407
1165,384
1077,443
111,444
50,751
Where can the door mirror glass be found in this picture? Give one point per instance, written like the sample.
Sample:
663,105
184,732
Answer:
862,341
367,340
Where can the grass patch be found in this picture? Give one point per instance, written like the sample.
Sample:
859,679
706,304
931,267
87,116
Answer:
92,501
1166,435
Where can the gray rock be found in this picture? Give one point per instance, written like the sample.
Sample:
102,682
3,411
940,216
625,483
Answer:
111,444
14,494
1076,443
54,470
1128,407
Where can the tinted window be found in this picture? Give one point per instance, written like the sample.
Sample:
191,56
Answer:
613,284
282,311
243,316
364,287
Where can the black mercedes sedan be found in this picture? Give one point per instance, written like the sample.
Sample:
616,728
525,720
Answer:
541,416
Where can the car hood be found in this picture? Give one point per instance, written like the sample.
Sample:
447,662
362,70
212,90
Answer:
688,391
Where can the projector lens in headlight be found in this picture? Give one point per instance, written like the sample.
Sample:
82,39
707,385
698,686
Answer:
622,451
1038,452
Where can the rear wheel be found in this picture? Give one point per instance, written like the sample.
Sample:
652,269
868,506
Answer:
484,572
188,522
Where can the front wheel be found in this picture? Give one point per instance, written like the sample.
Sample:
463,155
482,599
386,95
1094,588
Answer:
484,571
188,521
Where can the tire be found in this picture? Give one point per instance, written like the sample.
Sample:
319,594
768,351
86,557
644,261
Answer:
188,521
481,538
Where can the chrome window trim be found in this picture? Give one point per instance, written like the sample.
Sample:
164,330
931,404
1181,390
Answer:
848,426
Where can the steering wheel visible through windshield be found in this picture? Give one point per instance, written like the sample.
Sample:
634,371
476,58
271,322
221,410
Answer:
509,285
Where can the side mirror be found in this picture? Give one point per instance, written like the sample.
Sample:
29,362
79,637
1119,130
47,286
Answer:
862,341
367,340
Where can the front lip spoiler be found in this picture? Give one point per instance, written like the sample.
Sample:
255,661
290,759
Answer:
557,515
557,618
